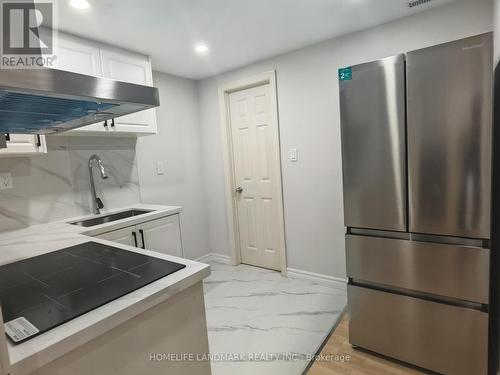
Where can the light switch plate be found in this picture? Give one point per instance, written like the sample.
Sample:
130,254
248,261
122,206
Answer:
6,181
160,167
294,155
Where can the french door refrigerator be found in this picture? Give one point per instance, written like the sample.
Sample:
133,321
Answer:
416,153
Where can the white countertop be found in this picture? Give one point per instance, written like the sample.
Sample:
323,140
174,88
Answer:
44,238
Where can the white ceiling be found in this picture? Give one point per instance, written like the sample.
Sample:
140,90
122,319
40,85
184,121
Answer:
238,31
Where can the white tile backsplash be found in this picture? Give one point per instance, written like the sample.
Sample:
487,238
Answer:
121,188
56,185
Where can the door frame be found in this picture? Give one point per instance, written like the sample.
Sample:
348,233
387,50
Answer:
227,147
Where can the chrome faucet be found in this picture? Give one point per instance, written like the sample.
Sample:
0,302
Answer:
97,204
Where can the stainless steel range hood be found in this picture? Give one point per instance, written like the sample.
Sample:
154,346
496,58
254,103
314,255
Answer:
47,101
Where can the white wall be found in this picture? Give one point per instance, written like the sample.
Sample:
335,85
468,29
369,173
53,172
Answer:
310,121
178,145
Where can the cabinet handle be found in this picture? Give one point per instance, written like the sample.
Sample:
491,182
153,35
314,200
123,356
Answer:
135,238
112,122
142,236
38,141
106,123
7,137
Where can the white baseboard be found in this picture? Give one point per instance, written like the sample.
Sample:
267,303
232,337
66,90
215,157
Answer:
318,278
294,273
214,257
221,258
203,259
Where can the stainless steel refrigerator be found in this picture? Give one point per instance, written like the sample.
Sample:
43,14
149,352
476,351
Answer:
417,165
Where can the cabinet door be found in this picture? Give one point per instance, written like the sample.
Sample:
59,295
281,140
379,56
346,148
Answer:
449,137
24,144
128,67
84,57
124,236
162,235
78,56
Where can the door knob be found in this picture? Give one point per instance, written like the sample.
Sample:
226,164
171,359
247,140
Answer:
238,190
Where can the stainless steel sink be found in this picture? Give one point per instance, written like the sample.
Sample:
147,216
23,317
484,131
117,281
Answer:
109,218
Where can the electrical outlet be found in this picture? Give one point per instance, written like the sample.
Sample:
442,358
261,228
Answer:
6,181
293,155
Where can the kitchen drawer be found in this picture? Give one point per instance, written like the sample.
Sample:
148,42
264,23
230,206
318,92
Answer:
455,271
439,337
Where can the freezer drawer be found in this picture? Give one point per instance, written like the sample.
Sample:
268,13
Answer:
449,94
442,338
453,271
372,109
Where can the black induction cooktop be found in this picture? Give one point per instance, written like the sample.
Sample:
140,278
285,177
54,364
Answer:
40,293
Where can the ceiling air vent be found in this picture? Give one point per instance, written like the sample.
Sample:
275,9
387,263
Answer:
416,3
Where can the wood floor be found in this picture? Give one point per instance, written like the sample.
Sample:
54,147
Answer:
360,362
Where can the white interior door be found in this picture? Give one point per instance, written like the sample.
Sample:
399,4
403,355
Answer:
255,144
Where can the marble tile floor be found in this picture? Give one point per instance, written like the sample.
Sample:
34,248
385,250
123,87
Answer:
254,311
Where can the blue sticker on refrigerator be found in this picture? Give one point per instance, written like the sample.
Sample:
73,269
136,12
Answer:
345,74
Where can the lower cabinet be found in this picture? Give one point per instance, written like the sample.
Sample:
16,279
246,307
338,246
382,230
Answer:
161,235
124,236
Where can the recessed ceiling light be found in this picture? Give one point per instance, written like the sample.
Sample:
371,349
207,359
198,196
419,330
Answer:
201,49
79,4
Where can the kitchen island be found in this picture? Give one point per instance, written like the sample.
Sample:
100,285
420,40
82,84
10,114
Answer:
157,329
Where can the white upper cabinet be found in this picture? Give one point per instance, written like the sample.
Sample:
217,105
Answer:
75,55
83,56
125,66
24,144
122,66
